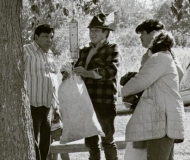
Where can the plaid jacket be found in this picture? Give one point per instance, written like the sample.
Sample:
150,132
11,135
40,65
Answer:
105,62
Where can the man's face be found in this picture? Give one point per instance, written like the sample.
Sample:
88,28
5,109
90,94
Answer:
96,35
44,40
146,38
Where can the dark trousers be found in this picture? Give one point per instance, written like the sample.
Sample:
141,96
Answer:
160,149
42,126
106,116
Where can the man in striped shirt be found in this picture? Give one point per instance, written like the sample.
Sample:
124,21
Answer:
42,85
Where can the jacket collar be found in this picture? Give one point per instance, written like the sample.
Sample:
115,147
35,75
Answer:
99,45
38,48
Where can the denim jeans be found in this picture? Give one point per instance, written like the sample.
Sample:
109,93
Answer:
42,126
160,149
106,116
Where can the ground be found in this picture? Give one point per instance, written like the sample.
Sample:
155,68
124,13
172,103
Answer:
182,150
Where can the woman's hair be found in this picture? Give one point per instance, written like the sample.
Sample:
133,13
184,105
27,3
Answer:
162,42
149,26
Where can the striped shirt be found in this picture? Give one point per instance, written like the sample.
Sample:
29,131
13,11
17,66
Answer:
41,76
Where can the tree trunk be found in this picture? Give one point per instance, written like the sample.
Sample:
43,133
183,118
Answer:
16,131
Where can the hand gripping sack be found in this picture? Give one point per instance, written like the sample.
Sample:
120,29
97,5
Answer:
78,116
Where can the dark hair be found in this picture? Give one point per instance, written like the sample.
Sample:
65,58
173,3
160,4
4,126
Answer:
162,42
44,28
103,30
149,26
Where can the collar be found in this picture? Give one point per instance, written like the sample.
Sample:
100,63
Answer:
99,44
38,48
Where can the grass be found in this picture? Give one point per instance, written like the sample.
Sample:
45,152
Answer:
182,150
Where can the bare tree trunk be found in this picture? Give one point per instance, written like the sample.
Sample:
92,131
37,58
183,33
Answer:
16,132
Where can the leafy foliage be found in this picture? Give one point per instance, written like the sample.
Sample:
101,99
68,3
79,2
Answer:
58,13
54,12
178,28
181,12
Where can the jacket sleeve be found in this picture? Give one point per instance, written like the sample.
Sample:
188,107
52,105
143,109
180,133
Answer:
155,67
112,63
82,57
179,69
26,56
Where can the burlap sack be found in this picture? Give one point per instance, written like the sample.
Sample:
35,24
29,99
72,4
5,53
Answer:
78,116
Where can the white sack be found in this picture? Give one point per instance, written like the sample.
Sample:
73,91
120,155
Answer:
78,116
133,153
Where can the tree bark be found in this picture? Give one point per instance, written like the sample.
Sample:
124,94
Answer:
16,130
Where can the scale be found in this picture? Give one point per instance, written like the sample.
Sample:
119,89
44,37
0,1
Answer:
73,35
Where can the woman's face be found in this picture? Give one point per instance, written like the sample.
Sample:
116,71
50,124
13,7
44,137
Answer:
146,38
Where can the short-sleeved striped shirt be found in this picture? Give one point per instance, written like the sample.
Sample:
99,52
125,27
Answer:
41,76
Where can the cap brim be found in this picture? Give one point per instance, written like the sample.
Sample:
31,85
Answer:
101,27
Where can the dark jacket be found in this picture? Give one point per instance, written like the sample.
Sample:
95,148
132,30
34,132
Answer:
105,62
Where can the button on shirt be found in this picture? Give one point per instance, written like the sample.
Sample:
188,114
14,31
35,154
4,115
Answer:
41,76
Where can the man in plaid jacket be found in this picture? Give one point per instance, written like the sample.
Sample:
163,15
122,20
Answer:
98,65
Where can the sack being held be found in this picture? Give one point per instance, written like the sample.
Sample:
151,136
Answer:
78,116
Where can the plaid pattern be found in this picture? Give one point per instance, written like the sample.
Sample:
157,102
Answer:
105,62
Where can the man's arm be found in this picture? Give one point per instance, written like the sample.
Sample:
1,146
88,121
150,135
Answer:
112,63
107,72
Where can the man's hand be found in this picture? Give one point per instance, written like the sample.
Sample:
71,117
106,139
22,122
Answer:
55,117
81,71
65,75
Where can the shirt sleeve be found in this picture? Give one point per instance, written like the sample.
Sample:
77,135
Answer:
96,75
155,68
112,63
25,53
